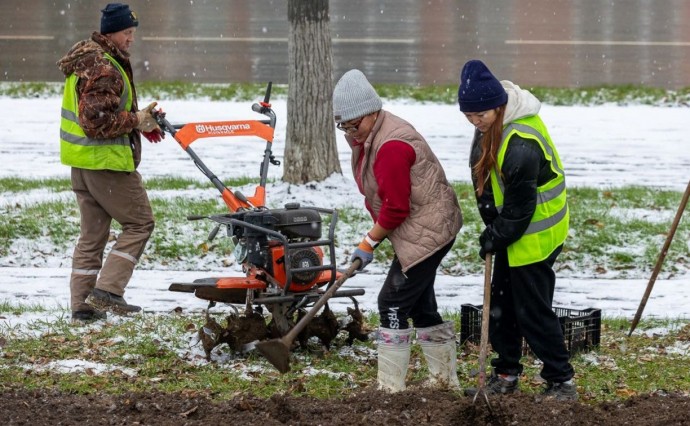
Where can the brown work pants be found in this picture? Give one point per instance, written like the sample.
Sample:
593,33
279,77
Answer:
104,195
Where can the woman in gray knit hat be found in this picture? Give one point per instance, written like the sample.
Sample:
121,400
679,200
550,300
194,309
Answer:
412,205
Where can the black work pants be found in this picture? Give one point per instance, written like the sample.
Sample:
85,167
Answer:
411,295
521,306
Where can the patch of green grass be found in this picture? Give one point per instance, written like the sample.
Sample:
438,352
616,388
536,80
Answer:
214,92
156,90
643,363
169,183
447,93
52,220
596,95
14,184
58,221
619,231
621,94
610,230
12,307
353,216
31,89
154,351
184,239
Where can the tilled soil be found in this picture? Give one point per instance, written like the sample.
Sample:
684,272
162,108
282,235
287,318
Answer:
368,407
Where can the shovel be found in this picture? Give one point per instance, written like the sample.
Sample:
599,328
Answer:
277,351
484,340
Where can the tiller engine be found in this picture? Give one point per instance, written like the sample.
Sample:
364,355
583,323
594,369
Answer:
282,252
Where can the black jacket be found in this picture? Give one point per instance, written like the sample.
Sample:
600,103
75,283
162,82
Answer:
524,169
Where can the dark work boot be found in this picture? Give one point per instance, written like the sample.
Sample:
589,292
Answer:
106,301
496,385
566,391
88,316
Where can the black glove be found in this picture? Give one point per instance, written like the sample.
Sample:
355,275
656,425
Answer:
486,243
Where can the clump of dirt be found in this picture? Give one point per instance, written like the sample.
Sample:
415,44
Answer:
369,406
241,330
324,326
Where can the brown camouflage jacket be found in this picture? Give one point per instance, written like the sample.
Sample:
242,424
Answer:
99,88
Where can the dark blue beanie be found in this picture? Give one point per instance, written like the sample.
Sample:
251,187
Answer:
479,90
117,17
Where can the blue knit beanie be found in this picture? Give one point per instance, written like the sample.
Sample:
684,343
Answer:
117,17
479,90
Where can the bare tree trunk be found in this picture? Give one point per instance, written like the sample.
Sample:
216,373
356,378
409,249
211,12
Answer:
311,153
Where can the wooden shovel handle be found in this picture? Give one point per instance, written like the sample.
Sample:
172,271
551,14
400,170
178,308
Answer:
660,260
484,341
297,329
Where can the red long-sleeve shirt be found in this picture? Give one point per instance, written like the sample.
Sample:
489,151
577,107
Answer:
392,172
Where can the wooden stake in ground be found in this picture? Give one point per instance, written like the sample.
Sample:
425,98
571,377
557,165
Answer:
660,260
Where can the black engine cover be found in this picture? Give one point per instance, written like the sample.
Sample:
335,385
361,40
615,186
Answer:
293,222
298,223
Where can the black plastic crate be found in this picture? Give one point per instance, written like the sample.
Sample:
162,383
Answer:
581,329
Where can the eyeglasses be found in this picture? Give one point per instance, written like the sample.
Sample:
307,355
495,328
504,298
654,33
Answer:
351,127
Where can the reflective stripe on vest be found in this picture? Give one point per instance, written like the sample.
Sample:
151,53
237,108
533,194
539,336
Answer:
549,225
77,149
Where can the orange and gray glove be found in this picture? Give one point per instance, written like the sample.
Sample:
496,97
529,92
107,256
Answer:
365,251
147,122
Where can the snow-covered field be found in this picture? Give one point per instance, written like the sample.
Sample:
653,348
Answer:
600,146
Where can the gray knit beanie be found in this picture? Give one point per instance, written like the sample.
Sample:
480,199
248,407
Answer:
354,97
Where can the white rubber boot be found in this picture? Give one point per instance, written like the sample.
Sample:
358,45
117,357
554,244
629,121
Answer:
438,346
394,358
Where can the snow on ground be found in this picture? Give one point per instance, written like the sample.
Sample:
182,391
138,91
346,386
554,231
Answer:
602,146
616,298
599,145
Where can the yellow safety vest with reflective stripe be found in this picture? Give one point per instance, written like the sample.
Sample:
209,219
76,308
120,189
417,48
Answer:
549,225
77,149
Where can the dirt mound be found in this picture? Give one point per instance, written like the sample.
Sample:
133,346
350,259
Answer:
370,407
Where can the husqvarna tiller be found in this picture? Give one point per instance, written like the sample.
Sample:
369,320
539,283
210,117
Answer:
281,250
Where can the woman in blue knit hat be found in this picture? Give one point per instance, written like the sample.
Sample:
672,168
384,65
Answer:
520,189
413,206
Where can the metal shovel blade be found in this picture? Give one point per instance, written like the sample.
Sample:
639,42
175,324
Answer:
277,351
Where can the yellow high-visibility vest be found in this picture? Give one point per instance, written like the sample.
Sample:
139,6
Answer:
77,149
548,228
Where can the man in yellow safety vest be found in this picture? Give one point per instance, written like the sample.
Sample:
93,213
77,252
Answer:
100,139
